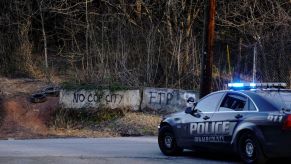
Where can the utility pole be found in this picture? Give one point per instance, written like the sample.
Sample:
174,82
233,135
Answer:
236,76
208,46
254,63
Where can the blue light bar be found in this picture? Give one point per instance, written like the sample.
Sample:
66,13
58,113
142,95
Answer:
248,86
236,85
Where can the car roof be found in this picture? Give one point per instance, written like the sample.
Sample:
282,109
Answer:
261,100
268,99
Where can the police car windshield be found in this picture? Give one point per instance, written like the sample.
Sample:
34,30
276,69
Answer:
279,98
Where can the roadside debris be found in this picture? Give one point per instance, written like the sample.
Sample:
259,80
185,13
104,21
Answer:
41,96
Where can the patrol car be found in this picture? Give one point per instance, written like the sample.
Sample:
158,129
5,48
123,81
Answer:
250,119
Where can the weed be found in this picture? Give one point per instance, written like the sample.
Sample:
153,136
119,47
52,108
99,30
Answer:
120,122
75,86
72,118
92,86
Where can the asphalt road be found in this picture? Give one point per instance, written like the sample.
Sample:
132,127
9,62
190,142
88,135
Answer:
124,150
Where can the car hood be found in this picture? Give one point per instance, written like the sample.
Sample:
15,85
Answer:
175,115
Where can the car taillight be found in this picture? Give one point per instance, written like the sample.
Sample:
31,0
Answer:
287,123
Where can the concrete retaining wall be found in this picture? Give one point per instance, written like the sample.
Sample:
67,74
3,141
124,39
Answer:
95,98
157,100
163,100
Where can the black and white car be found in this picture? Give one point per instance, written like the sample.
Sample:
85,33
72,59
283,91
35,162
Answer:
255,123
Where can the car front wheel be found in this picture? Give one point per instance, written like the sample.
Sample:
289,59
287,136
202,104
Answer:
167,142
250,150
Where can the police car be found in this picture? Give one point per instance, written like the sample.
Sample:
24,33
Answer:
250,119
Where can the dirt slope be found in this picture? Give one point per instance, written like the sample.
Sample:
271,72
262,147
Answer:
20,117
24,119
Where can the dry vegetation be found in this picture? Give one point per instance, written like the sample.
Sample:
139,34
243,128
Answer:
129,124
143,43
25,86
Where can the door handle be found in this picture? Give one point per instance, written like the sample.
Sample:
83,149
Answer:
206,117
238,116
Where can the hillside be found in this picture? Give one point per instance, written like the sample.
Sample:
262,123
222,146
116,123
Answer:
19,118
144,43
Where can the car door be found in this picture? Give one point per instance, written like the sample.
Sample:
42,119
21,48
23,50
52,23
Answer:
233,109
196,125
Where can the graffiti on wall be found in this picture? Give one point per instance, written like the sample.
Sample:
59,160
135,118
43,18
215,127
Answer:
97,97
80,99
156,99
163,98
167,96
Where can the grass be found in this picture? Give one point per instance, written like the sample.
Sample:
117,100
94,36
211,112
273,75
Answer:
91,86
103,122
136,124
78,118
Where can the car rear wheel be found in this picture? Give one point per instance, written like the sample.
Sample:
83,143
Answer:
250,150
167,142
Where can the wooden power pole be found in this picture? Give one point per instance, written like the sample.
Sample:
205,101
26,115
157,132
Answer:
208,46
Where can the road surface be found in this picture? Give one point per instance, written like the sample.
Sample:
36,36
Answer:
125,150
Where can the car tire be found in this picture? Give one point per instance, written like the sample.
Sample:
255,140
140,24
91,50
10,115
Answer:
167,142
38,98
249,149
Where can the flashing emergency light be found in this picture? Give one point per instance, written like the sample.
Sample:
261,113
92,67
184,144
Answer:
248,86
236,85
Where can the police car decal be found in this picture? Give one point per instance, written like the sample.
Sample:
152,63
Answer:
211,131
209,139
210,127
275,118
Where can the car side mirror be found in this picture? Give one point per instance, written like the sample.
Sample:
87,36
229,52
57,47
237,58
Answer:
196,113
189,110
